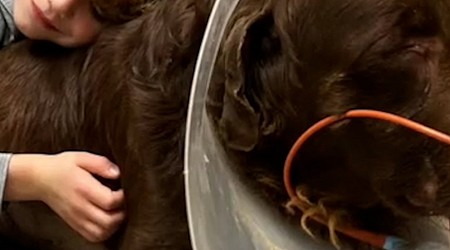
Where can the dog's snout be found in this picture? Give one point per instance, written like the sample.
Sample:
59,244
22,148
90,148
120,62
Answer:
425,194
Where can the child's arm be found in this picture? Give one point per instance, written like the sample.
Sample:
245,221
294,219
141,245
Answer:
65,183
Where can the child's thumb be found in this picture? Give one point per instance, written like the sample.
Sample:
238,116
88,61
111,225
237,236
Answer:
98,165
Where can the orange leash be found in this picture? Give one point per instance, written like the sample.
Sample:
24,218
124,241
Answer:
377,240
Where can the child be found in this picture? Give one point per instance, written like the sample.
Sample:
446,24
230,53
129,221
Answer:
64,181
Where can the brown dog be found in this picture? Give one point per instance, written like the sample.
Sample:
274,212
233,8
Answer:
284,65
287,64
124,97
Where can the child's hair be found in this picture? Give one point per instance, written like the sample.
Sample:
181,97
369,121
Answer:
117,11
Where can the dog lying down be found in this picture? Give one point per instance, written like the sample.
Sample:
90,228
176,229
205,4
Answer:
283,65
289,64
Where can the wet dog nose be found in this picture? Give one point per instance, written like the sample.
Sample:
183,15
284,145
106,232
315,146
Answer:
425,195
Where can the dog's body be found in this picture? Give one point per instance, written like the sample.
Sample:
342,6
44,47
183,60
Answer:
117,99
284,65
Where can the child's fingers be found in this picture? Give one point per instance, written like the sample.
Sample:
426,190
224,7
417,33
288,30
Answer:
77,221
103,197
93,232
95,164
109,221
86,218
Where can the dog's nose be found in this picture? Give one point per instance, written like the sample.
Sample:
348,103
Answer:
425,195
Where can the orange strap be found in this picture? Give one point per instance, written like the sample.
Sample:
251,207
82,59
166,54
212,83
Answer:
376,240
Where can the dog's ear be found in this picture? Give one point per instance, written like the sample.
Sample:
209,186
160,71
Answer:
237,115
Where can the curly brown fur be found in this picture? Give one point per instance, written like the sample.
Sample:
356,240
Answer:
119,11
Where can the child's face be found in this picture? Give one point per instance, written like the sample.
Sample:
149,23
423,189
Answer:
69,23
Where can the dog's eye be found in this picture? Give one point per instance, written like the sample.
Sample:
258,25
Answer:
423,51
417,49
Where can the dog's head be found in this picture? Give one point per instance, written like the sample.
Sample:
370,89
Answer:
286,64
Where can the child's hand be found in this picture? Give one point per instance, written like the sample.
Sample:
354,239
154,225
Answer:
64,182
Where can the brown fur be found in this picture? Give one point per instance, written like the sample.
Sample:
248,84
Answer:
287,64
117,98
284,64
